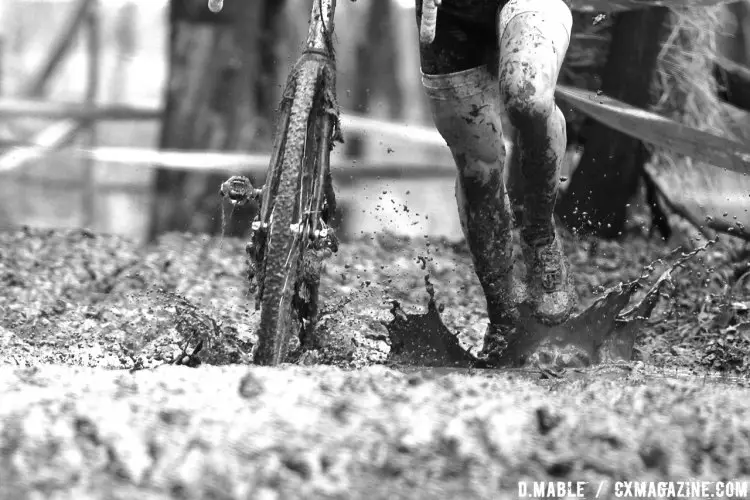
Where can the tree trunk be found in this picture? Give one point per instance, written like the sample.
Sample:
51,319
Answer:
220,95
734,44
612,163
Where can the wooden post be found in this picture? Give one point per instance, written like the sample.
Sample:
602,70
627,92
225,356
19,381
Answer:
2,62
90,136
57,134
219,96
38,84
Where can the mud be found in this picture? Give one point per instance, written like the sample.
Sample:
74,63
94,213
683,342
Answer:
603,332
92,404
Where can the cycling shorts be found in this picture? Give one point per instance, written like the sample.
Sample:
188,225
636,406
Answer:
466,35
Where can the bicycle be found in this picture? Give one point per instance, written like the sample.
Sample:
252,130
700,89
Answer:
291,235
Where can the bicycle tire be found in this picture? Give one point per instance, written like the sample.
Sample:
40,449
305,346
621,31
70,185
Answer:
318,201
283,247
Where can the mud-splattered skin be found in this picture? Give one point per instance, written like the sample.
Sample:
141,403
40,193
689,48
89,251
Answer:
487,222
490,75
530,61
474,135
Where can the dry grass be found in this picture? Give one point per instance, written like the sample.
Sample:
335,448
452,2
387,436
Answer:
684,86
685,89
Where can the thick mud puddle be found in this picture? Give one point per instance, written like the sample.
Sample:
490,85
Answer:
605,332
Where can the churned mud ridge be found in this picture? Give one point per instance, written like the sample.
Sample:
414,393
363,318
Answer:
92,404
83,299
323,432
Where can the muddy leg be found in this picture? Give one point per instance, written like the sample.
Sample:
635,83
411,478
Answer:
513,173
534,36
486,219
465,110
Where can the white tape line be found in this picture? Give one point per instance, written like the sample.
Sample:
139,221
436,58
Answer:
47,143
214,161
238,162
427,136
26,108
655,129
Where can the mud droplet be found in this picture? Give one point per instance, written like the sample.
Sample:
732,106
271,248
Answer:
250,386
546,420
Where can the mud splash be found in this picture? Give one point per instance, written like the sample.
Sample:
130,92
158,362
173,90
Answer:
605,332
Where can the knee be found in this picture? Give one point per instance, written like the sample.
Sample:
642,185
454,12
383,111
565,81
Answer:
467,118
529,99
468,130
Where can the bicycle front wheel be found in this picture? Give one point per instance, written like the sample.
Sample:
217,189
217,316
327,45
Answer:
278,319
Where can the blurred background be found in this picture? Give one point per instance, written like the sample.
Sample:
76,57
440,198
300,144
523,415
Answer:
113,114
133,59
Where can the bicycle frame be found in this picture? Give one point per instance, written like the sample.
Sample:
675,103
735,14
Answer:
321,24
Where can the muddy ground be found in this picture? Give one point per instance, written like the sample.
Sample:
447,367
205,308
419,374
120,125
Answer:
93,404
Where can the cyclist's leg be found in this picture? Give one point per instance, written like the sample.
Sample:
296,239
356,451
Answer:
534,37
514,176
464,98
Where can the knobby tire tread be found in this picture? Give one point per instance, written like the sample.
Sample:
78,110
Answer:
277,322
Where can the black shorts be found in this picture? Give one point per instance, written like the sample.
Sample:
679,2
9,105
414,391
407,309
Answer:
465,36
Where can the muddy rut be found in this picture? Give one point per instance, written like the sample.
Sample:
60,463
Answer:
93,404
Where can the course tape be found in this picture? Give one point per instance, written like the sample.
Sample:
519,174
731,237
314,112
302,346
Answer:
605,6
16,153
655,129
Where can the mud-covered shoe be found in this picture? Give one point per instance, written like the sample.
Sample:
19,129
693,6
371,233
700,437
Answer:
550,292
495,341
